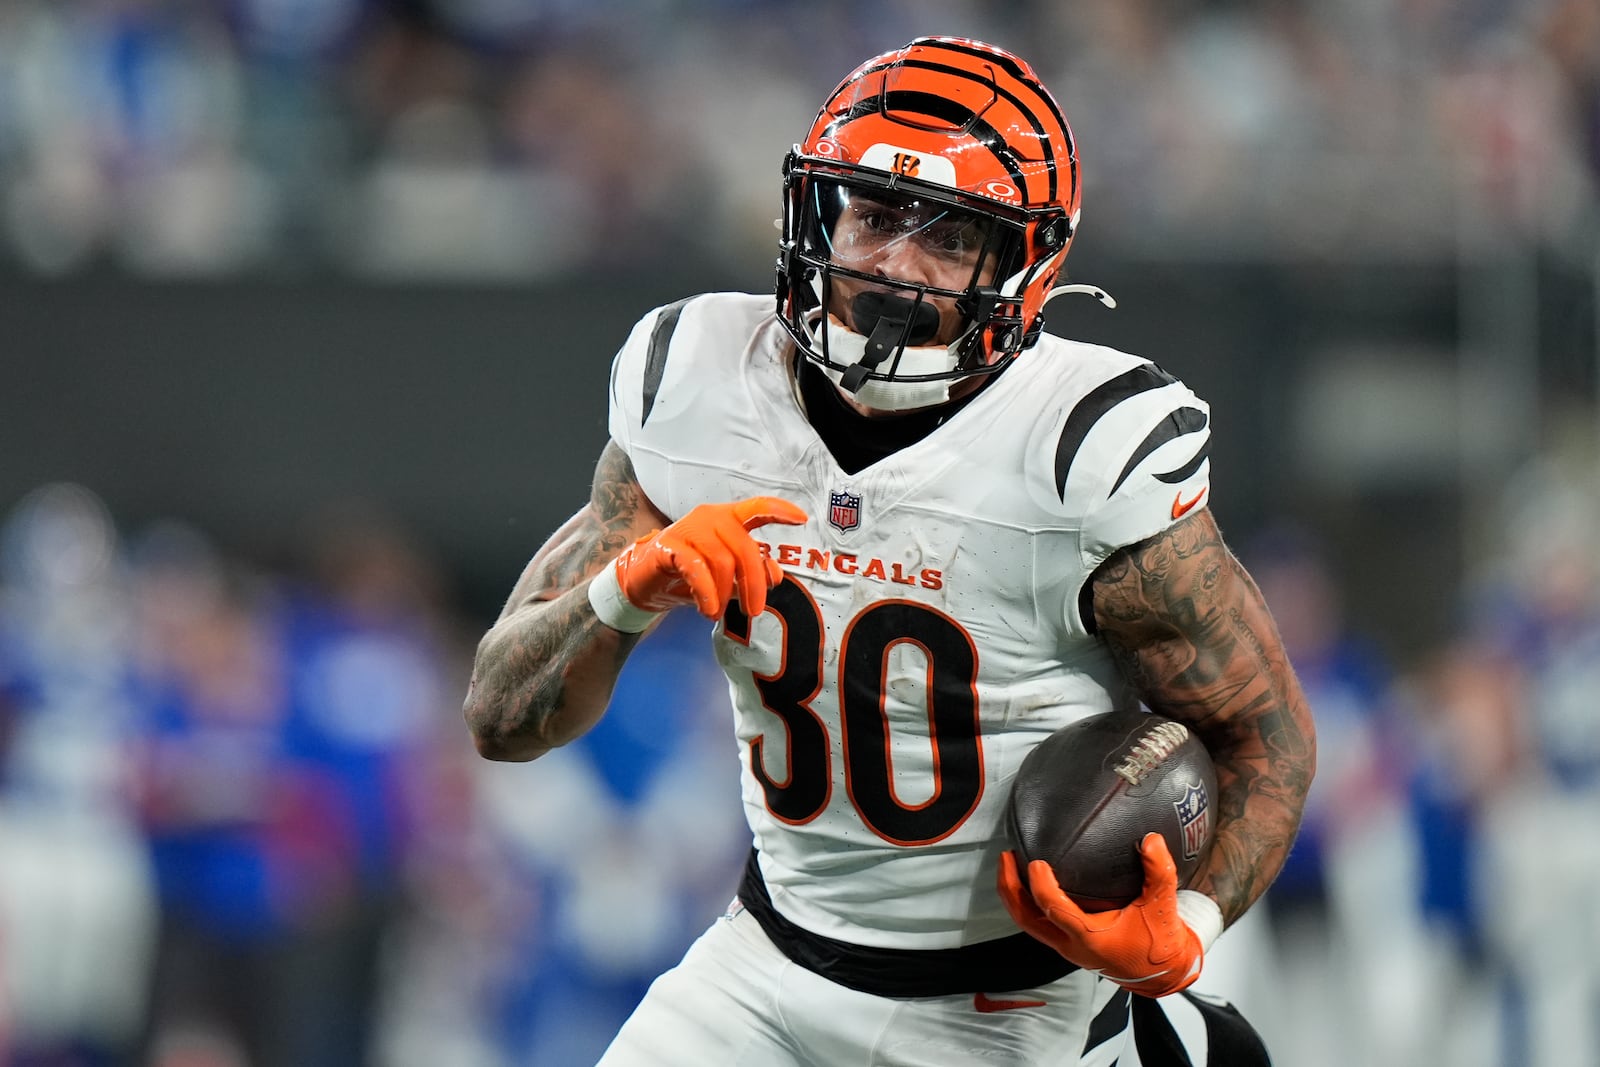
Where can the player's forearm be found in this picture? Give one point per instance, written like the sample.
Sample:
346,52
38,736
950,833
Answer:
1190,630
544,672
542,677
1265,759
1240,694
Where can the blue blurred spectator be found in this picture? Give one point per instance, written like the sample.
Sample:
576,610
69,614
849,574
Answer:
1346,677
630,844
370,690
76,911
221,797
1344,921
284,779
1538,622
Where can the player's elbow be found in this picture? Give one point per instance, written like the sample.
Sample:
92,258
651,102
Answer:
503,749
495,734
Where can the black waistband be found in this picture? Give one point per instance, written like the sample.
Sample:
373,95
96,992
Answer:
1008,963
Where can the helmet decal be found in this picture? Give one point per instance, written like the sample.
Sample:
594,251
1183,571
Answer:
910,164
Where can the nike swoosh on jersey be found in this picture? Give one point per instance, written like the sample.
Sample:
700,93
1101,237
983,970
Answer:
984,1003
1181,507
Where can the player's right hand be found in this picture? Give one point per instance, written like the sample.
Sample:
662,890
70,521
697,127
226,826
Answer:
706,559
1154,946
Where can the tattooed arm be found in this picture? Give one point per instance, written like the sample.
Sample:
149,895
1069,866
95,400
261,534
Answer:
544,672
1188,628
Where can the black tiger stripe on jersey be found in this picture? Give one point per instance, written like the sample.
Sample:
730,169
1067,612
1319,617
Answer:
1176,424
1182,474
1101,399
655,363
1230,1039
1110,1022
1155,1039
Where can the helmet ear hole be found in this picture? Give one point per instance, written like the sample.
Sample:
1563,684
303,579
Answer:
1053,234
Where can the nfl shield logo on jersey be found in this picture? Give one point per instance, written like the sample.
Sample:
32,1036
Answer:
844,511
1194,816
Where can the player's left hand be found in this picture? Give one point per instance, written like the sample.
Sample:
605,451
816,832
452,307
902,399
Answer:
1146,947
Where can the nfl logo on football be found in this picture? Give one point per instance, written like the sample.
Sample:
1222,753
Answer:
844,511
1194,816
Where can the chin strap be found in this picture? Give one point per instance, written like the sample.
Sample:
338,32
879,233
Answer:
1088,290
885,336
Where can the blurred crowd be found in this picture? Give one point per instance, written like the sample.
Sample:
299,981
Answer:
515,139
1438,906
241,824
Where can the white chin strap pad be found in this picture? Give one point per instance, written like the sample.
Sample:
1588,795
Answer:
846,347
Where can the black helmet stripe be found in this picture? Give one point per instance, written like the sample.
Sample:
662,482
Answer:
940,108
1011,67
1005,94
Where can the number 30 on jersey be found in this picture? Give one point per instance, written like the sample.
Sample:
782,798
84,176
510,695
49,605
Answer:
864,648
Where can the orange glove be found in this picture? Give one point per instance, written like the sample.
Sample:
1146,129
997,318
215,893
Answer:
1153,947
705,559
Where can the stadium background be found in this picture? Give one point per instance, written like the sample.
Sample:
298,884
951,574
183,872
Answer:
306,311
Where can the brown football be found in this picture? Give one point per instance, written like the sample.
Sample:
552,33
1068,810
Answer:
1086,796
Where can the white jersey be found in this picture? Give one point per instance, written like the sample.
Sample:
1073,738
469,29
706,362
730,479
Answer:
927,634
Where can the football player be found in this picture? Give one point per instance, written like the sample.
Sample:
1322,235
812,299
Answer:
929,534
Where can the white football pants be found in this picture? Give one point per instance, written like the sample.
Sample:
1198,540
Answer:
735,1000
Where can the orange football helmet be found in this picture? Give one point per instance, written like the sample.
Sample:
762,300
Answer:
951,147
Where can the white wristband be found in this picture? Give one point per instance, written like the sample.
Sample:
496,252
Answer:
612,606
1202,915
